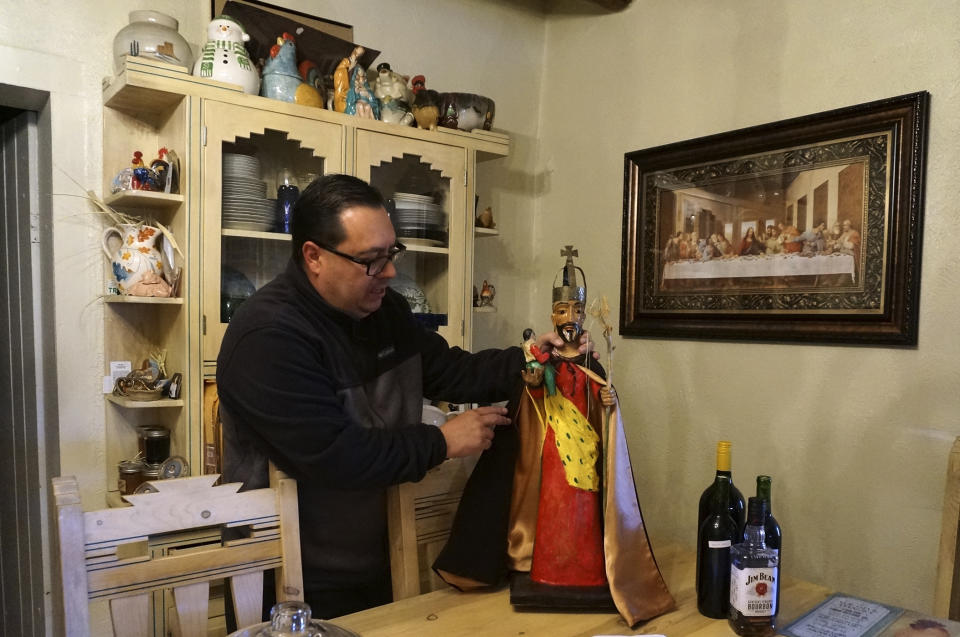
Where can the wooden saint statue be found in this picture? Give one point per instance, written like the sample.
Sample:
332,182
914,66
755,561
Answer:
575,537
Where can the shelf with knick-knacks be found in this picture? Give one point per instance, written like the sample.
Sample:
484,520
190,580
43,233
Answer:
144,200
146,172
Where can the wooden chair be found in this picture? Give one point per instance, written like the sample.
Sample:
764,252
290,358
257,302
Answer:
946,602
104,554
420,515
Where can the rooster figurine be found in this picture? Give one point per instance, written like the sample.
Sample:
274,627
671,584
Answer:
281,79
426,104
487,292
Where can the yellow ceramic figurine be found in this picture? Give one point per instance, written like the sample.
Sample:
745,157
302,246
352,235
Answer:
341,79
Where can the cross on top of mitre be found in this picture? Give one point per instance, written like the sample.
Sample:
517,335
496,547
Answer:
570,288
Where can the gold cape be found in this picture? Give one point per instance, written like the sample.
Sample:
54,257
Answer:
474,557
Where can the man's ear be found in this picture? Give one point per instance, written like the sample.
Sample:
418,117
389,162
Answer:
312,256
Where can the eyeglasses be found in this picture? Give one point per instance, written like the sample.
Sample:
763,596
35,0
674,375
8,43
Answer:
375,265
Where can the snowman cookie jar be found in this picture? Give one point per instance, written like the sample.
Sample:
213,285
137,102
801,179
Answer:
224,57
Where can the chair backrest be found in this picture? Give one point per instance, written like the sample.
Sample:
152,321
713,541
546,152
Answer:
946,602
420,515
105,554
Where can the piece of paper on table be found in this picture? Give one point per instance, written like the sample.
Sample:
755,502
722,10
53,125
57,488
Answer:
844,616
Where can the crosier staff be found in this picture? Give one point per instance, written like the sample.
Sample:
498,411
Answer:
600,310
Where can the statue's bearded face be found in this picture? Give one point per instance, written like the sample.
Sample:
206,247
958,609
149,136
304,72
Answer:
568,320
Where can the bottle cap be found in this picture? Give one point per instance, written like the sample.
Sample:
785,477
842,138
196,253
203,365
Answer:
756,511
723,455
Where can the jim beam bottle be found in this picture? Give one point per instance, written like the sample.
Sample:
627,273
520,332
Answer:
754,578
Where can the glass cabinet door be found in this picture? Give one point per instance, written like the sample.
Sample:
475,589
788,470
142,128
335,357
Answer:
424,184
254,165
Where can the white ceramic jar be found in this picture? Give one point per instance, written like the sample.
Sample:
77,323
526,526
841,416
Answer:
151,34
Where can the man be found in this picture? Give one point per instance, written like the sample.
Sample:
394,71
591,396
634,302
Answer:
323,372
811,240
849,241
575,536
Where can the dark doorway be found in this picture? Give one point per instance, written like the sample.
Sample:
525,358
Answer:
28,388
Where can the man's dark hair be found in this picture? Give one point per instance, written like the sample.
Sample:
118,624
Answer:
316,215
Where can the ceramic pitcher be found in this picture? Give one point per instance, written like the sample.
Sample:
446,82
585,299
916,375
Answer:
136,256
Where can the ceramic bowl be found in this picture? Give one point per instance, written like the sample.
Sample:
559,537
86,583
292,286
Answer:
466,111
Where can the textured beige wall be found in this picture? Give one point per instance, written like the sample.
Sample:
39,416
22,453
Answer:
856,438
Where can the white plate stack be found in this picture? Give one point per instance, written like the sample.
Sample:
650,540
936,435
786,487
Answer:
245,205
418,219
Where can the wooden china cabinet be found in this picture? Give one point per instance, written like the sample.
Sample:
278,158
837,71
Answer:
150,105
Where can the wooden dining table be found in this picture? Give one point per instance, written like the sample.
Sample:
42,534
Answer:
451,613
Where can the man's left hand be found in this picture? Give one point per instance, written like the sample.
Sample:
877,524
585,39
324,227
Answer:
549,340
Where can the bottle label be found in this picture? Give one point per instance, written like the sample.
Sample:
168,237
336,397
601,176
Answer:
718,544
753,591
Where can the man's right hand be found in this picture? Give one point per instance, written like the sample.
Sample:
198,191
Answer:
472,431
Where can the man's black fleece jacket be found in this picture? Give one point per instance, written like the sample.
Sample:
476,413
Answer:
336,403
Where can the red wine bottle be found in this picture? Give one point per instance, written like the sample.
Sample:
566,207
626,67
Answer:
771,527
714,538
736,501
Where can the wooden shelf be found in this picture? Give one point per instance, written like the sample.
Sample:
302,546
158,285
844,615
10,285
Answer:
144,404
485,232
423,249
486,309
253,234
144,199
146,300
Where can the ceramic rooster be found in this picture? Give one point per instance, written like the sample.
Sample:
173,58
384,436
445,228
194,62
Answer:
312,75
487,292
426,104
281,79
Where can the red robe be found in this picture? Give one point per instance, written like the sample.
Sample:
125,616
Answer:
569,539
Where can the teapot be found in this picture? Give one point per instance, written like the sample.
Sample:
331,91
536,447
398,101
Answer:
137,263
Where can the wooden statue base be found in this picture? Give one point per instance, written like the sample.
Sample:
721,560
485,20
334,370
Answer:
525,594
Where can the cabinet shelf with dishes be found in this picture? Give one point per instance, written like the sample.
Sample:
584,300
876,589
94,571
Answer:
254,234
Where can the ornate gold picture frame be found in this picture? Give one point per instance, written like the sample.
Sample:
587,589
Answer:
806,229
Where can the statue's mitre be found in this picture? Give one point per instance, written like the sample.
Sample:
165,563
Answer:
570,287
